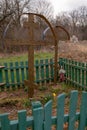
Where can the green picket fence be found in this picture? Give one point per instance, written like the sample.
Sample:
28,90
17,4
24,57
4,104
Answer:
42,118
76,72
14,74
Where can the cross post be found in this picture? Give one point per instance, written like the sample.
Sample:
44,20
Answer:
30,82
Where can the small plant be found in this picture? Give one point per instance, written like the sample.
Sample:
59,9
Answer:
46,98
26,103
55,90
42,88
64,86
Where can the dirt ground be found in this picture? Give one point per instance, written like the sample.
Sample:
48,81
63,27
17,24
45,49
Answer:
13,101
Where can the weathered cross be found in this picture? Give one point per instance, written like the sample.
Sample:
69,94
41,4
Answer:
31,42
30,82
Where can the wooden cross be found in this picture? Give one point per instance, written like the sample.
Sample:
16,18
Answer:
30,82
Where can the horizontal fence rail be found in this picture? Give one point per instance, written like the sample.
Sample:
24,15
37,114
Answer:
76,72
42,118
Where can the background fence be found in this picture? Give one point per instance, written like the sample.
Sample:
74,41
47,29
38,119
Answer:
76,72
42,118
14,74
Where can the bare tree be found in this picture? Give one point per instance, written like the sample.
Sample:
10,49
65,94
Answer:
75,21
42,7
11,10
83,22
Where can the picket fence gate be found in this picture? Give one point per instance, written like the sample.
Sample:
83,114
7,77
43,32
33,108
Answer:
42,118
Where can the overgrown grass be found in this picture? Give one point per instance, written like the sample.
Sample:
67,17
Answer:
24,57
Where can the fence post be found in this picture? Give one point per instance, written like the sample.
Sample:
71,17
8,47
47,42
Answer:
1,77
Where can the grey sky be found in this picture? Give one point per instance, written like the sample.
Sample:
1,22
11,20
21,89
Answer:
66,5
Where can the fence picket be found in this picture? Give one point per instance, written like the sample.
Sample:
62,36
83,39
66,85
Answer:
26,64
72,73
47,115
76,73
5,124
47,70
17,74
22,120
2,85
37,71
7,78
42,71
22,72
83,75
60,111
38,117
83,112
51,69
12,76
72,110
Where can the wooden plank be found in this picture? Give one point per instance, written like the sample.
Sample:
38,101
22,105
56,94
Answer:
60,111
17,73
38,117
1,79
51,69
79,73
72,110
22,120
30,82
83,112
13,42
5,124
1,74
76,72
83,74
12,75
37,71
26,67
7,77
42,70
66,67
22,72
47,70
70,70
47,115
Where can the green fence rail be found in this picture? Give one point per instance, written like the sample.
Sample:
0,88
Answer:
14,74
76,72
42,118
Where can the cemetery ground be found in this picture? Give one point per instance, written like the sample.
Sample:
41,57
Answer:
12,101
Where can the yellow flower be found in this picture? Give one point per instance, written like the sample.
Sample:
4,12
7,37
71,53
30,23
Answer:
54,94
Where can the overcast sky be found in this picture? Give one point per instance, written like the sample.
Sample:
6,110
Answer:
66,5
